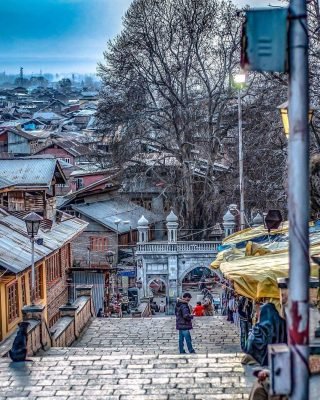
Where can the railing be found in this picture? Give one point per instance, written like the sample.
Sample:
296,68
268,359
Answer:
179,247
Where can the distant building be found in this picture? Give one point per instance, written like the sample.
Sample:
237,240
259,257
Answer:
31,185
71,151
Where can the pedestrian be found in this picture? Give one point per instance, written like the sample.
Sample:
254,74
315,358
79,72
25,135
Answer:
208,307
162,307
270,329
245,316
184,318
198,310
202,283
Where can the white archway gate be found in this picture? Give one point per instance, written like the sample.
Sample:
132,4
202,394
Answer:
171,262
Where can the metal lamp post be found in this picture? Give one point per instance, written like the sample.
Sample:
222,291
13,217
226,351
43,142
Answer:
239,81
32,221
298,200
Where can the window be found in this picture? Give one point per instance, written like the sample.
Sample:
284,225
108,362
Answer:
79,183
65,159
143,202
23,290
13,302
98,243
53,268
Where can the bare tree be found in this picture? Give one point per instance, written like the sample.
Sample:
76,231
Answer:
166,84
166,88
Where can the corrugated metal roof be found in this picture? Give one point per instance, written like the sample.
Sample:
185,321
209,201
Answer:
4,183
15,246
47,115
107,212
29,171
91,278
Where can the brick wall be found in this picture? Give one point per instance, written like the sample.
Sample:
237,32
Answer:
81,244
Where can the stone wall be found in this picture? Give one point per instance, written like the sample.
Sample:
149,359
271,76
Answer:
63,333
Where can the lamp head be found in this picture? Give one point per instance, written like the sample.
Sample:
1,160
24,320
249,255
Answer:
32,221
284,112
239,80
273,219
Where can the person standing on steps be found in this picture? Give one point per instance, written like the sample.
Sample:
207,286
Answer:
184,318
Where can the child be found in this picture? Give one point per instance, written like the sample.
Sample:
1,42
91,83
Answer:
198,310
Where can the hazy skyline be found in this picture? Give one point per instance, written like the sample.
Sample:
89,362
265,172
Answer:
61,35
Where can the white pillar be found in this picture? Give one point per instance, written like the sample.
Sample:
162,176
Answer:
143,227
229,223
172,227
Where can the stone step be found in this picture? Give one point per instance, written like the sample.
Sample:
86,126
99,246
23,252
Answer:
195,376
158,335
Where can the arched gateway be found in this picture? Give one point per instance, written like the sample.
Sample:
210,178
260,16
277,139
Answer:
170,261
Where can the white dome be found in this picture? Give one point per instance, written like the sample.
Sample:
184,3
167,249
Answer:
172,217
257,220
228,217
143,221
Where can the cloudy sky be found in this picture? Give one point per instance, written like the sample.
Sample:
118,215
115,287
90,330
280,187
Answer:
61,35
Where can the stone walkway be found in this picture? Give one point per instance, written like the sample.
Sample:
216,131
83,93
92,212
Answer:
134,359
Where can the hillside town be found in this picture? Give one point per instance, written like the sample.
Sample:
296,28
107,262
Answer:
159,219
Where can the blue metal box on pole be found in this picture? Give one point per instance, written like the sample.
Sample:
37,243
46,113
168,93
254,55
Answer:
265,40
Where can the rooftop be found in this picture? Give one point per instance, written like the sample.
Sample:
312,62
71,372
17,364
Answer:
108,211
31,171
15,248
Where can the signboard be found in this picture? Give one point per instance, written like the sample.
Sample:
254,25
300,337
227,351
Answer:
129,274
265,40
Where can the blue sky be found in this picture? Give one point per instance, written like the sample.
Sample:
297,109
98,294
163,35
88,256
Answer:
60,35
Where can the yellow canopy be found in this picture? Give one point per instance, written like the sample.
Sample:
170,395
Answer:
256,277
255,269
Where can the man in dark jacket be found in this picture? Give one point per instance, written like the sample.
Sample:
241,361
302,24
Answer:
184,318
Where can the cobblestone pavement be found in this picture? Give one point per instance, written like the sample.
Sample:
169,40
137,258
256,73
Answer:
134,359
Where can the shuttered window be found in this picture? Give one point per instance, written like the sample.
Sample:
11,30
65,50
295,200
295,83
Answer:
23,291
13,301
98,243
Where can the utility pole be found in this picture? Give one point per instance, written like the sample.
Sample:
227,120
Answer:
298,200
241,182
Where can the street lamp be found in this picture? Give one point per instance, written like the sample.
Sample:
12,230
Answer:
32,221
284,112
239,81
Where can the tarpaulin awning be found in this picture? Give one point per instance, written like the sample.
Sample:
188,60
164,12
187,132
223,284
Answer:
255,267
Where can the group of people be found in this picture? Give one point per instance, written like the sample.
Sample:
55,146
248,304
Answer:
260,325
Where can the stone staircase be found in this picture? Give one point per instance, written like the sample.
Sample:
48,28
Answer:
134,359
